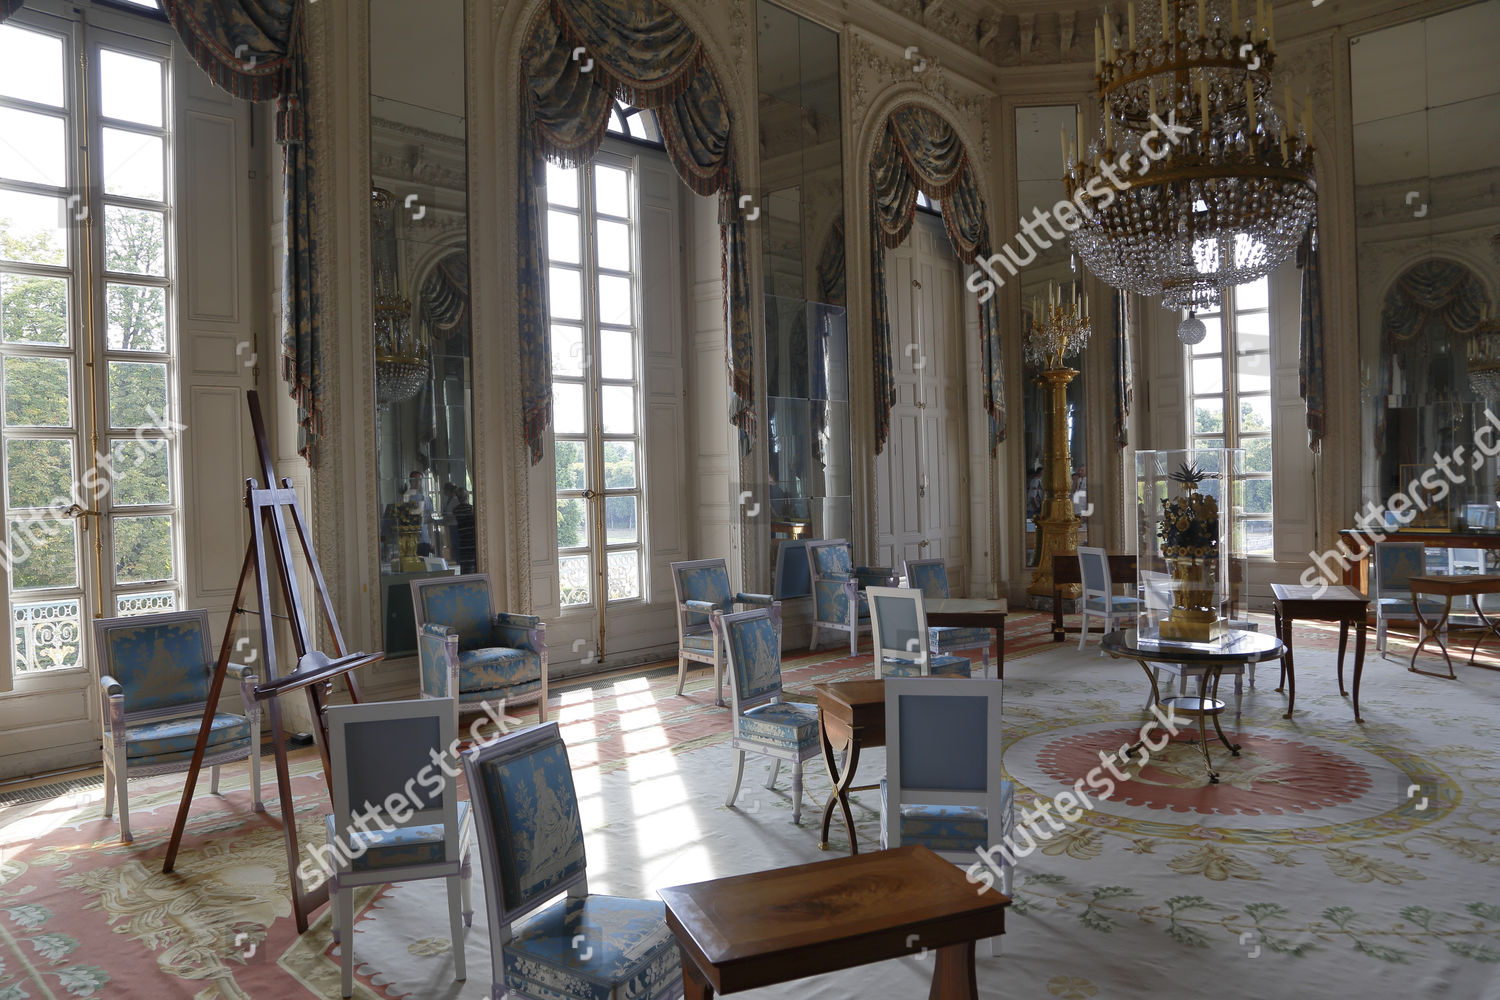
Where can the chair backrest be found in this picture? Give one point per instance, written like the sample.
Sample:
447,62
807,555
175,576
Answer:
1395,563
898,625
1466,560
1158,590
829,559
943,746
1093,570
930,576
752,645
530,834
792,578
462,603
700,580
163,662
386,754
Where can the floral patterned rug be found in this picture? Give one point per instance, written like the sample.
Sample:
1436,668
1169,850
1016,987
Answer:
1332,859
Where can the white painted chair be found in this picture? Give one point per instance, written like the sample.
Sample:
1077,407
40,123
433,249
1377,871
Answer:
154,678
763,723
1098,597
944,787
382,753
701,587
1395,563
898,622
930,576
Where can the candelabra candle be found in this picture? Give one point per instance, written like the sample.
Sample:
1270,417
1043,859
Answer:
1059,331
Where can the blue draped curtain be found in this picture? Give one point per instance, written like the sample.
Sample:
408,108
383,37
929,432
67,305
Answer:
445,297
919,150
1310,372
256,50
641,52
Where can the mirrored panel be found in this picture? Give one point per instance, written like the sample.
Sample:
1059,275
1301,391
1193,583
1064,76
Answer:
802,212
1041,133
420,280
1426,112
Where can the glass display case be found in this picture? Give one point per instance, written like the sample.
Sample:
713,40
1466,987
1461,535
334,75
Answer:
1191,552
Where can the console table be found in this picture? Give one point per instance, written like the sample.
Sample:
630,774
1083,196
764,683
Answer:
1357,573
1449,587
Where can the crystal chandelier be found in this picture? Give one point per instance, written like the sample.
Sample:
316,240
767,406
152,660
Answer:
1484,360
1220,202
1059,332
401,357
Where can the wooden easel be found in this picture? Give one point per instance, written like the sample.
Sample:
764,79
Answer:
315,672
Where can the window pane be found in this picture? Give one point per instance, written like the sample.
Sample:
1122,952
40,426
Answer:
567,408
137,394
612,191
31,66
614,245
1213,341
134,165
562,185
1255,413
1257,454
39,473
145,604
571,469
44,553
1208,376
142,472
1257,536
46,635
567,351
1208,416
1254,495
32,148
135,241
616,354
573,579
1252,333
572,522
615,303
32,228
620,521
38,392
1255,295
618,404
624,571
564,293
131,88
33,310
137,317
563,243
143,548
619,465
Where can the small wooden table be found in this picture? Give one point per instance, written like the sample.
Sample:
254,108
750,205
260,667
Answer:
1065,572
851,716
1344,605
1449,587
748,931
972,612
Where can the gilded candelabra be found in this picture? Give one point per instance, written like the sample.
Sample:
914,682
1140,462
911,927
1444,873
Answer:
1059,331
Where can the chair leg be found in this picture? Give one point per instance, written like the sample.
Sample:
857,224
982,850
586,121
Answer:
853,639
681,673
466,884
213,785
797,793
812,642
109,788
1239,691
344,918
124,803
456,927
739,773
1251,669
257,805
775,770
1083,626
719,681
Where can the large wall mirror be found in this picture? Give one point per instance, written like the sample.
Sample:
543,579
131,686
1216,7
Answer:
802,215
423,341
1426,110
1040,135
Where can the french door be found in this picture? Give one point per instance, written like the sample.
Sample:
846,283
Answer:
88,359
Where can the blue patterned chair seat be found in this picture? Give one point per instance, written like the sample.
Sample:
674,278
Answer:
944,828
960,638
699,640
498,667
412,845
156,742
1116,601
791,725
942,666
585,948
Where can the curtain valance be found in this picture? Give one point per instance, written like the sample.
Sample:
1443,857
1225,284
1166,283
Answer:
445,297
578,58
1442,288
255,50
919,150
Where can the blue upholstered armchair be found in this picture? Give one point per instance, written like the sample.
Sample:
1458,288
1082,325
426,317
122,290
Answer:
549,936
470,653
154,677
702,587
838,587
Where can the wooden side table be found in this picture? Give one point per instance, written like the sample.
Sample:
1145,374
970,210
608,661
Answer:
1344,605
754,930
851,716
1449,587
